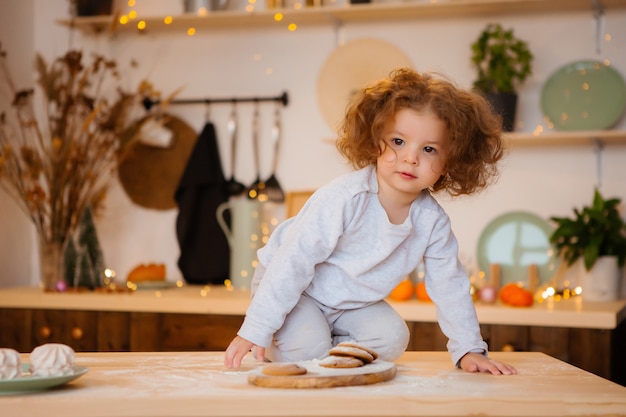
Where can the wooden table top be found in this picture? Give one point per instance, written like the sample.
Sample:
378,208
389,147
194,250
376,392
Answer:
197,384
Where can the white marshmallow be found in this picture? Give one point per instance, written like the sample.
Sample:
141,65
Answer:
52,359
10,364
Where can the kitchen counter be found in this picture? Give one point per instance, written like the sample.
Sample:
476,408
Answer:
197,384
573,313
591,336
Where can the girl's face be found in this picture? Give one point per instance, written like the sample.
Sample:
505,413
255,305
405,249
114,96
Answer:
415,154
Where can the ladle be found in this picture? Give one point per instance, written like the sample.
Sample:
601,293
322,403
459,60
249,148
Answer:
257,189
272,187
234,187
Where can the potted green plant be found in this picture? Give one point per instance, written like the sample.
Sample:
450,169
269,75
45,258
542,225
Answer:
502,62
595,237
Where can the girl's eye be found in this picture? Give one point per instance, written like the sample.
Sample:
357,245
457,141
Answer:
397,141
429,149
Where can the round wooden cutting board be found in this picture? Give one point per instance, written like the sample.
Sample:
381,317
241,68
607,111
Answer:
320,377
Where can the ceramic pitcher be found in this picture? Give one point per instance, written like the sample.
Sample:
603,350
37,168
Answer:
244,237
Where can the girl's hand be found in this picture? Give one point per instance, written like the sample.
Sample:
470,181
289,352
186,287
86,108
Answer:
477,362
239,348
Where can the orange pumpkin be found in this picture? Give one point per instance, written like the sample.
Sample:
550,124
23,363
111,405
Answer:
420,292
514,294
403,291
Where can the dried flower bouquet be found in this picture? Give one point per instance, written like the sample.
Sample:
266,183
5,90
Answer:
57,160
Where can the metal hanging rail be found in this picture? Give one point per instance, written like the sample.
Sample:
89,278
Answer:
283,98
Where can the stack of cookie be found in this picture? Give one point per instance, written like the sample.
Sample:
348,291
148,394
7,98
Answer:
344,355
348,355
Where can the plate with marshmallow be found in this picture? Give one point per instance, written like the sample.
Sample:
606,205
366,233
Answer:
51,365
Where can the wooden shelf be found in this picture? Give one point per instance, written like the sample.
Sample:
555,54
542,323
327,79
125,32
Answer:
549,139
371,12
376,12
577,138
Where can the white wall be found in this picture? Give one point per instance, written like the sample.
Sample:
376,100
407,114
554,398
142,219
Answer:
546,181
16,237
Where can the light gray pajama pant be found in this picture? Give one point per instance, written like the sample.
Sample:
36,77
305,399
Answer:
311,329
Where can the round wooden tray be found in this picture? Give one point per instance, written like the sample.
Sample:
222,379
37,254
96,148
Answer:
320,377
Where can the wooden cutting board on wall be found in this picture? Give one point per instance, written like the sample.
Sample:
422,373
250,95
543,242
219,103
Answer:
320,377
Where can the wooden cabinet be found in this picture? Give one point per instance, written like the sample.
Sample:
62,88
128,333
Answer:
599,351
107,331
182,332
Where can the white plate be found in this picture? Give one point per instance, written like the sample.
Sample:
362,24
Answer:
38,383
516,240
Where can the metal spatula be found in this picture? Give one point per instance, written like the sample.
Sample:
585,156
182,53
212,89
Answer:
257,189
272,187
234,187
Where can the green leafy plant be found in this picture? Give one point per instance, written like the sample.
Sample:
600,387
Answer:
593,232
501,60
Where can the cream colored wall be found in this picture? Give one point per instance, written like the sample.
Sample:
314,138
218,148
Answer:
17,38
546,181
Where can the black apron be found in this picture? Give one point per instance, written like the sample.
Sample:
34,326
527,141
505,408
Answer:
204,250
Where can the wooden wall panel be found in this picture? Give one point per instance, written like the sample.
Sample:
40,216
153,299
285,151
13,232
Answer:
553,341
183,332
16,329
426,337
113,331
144,332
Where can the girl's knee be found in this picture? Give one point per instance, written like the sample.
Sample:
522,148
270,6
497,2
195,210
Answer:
299,350
394,342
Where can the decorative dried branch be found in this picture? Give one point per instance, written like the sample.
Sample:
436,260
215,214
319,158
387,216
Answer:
57,165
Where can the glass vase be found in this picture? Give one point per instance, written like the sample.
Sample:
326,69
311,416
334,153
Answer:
52,265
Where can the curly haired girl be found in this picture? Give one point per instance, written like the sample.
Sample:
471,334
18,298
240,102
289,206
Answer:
324,274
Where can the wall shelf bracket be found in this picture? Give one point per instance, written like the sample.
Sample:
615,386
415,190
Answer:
598,147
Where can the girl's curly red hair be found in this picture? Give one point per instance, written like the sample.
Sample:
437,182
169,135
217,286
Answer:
474,130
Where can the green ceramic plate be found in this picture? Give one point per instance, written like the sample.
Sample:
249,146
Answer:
517,240
584,95
38,383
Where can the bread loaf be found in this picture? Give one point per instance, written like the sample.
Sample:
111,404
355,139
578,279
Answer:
147,272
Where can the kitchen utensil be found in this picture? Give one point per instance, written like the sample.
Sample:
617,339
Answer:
243,237
320,377
515,240
39,383
256,190
272,187
584,95
202,7
349,67
150,175
234,187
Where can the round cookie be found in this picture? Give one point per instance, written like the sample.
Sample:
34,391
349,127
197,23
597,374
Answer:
352,351
356,345
340,362
283,369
